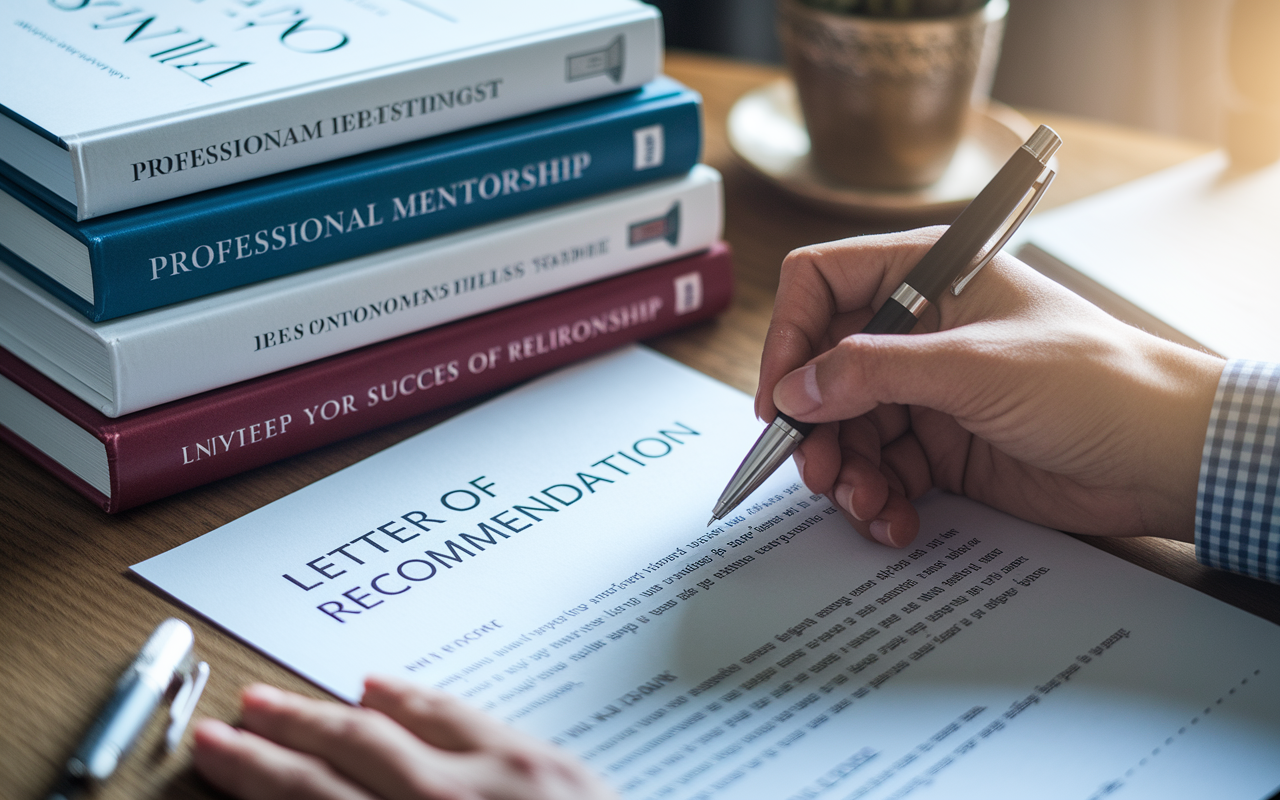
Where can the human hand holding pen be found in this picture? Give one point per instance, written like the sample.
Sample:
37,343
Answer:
956,256
1018,394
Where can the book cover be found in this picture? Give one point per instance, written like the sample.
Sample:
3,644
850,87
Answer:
146,359
121,463
192,246
130,104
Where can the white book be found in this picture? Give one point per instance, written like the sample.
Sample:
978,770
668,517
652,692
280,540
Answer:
109,106
146,359
1187,253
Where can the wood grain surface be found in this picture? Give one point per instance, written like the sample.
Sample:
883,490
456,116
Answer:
71,618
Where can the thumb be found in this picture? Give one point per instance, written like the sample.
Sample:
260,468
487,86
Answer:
935,370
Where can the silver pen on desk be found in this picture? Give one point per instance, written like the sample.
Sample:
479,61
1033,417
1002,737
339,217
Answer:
966,247
165,664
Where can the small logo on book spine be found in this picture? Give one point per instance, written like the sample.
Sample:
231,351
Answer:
649,147
688,292
606,61
666,227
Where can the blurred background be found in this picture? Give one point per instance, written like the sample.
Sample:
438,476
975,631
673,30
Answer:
1155,64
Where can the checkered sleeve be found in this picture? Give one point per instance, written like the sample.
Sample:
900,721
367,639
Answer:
1238,502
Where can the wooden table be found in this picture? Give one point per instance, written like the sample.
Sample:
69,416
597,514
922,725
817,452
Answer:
71,618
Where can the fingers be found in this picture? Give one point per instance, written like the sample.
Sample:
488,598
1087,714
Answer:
294,746
870,483
362,744
437,718
897,524
874,503
829,291
493,759
906,460
937,370
861,491
253,768
824,281
818,458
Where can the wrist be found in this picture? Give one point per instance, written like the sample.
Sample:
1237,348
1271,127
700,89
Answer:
1176,419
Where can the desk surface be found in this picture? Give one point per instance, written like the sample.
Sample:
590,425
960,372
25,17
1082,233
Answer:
71,618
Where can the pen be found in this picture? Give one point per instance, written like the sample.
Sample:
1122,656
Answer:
978,233
166,660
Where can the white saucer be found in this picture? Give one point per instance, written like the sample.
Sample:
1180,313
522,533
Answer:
766,130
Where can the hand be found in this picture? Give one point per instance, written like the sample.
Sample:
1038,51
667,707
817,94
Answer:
403,742
1018,394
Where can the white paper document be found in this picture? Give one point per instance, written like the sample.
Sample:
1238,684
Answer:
1192,246
544,556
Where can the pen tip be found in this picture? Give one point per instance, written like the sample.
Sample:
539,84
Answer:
711,522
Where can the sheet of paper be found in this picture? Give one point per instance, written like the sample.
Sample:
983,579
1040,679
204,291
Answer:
1192,245
545,557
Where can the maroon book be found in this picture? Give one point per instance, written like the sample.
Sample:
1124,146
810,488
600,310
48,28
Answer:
167,449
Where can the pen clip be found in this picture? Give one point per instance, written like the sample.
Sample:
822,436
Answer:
1010,226
184,704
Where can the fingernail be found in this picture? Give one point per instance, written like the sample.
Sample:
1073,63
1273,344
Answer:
384,683
844,496
799,459
797,392
215,731
880,532
261,694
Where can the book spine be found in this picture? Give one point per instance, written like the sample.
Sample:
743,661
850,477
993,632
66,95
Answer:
121,169
223,243
233,336
146,359
166,450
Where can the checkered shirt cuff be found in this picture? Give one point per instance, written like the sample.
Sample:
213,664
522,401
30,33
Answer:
1237,505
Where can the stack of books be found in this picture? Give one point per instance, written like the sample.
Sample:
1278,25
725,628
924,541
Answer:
230,234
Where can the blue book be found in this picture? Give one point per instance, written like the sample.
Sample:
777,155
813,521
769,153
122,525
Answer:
193,246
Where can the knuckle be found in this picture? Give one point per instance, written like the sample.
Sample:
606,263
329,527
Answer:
356,726
425,704
456,715
299,781
800,261
859,359
538,767
523,764
801,256
445,704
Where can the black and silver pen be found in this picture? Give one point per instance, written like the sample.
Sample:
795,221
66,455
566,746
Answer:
978,233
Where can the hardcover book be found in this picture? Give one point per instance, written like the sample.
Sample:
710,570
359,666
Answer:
193,246
121,463
131,104
146,359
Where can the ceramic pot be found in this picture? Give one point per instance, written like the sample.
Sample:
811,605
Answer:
885,100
